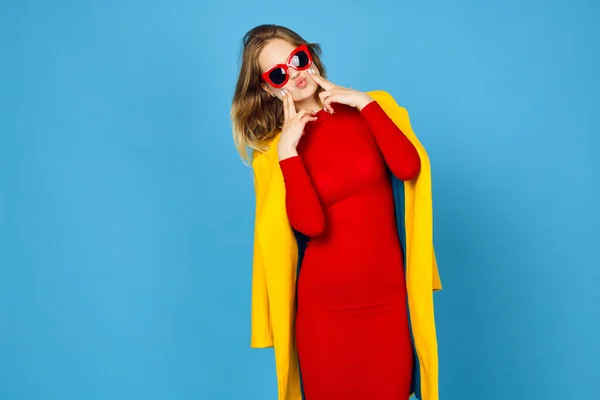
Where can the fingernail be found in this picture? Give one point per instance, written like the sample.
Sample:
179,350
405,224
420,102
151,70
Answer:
310,71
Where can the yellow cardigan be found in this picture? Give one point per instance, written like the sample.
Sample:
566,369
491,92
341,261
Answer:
276,256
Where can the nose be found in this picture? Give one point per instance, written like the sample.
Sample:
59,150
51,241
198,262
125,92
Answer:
293,73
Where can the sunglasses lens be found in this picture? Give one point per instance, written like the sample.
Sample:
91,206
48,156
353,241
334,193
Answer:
277,76
300,60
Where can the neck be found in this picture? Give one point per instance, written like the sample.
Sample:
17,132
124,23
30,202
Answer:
312,103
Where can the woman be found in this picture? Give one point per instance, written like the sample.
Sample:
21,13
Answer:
337,151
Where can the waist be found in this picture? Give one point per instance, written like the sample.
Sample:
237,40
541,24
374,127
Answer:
368,215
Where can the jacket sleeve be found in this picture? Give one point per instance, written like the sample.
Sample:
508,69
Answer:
398,151
261,334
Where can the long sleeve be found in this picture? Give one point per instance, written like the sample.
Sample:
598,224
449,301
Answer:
261,333
303,206
400,154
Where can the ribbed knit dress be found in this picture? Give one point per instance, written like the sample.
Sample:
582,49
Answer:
352,330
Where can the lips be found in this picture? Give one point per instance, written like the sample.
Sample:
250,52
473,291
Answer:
301,83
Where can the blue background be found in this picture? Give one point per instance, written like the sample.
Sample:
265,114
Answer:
126,216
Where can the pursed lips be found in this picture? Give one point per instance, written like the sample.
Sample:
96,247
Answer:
300,81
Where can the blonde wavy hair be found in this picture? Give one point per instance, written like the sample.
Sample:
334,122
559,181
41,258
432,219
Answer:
256,116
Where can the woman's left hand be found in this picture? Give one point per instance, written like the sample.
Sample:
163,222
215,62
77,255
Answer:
338,94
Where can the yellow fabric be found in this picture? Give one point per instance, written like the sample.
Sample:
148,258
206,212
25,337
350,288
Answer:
276,255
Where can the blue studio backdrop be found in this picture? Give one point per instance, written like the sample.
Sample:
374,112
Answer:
126,216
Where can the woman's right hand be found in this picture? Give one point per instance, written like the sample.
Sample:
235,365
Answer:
293,126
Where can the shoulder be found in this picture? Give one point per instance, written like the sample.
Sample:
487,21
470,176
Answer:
388,103
262,159
385,99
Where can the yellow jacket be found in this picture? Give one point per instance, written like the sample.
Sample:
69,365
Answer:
278,252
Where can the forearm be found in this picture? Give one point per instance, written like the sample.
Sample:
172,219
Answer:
303,206
285,152
400,154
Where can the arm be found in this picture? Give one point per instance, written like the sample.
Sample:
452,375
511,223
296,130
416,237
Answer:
400,154
302,203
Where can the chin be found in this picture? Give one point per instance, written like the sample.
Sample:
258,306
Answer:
306,93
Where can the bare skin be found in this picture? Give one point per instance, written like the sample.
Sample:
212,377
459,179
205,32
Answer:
300,105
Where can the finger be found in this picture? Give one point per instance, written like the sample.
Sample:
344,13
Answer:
306,111
324,83
285,106
324,96
308,118
291,106
328,100
327,107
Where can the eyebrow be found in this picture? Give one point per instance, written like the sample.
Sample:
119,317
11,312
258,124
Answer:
286,58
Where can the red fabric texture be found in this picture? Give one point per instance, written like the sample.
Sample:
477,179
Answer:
352,330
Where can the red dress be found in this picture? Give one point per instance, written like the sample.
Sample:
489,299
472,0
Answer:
352,330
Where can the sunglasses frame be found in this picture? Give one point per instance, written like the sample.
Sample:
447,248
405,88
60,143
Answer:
287,65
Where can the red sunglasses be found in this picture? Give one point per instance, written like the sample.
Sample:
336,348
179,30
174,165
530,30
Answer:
300,59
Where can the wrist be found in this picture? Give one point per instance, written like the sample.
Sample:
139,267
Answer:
284,152
365,99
